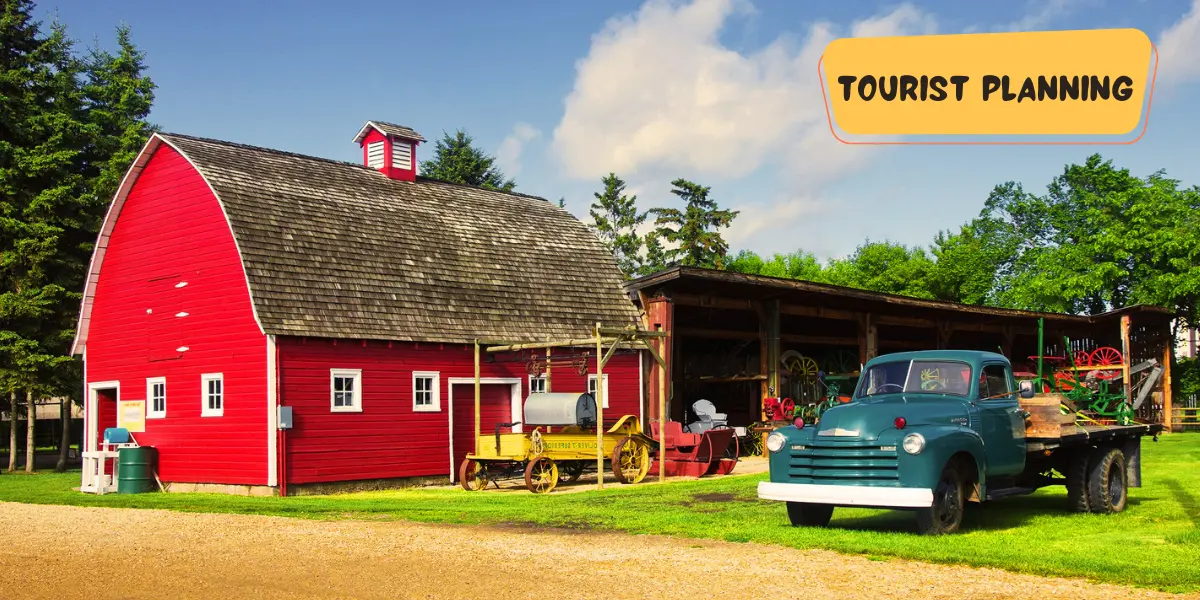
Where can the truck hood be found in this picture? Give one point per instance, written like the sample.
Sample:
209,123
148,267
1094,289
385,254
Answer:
868,419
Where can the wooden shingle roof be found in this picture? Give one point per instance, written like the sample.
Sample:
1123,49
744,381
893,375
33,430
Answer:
393,129
335,249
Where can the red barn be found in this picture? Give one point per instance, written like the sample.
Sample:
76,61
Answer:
230,280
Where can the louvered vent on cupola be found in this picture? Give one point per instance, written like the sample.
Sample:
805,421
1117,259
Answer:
390,149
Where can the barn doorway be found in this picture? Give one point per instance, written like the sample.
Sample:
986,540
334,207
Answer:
499,402
101,412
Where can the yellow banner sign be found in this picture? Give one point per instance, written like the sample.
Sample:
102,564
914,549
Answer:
131,414
1093,82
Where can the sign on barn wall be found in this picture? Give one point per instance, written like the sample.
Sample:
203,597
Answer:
131,414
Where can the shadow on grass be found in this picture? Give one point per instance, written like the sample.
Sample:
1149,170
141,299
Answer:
995,515
1185,499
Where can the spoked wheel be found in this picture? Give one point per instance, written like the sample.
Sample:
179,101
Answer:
541,475
472,475
946,514
574,470
1106,355
630,460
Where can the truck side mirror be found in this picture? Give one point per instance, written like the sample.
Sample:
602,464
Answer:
1026,389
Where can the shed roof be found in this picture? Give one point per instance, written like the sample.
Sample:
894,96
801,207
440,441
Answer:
695,280
336,249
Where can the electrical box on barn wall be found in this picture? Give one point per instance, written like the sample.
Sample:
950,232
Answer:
285,417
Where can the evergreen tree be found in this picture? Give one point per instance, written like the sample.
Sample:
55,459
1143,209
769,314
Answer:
456,160
615,220
562,202
695,230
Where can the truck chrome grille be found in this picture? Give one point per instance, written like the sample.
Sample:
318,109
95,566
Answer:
845,464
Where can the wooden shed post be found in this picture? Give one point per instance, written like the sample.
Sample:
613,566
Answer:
548,349
662,411
1168,416
772,372
599,410
476,396
867,338
1124,357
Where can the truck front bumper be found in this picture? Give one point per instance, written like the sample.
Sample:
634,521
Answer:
846,495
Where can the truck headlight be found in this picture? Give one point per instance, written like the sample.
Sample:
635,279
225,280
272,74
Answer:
914,443
775,441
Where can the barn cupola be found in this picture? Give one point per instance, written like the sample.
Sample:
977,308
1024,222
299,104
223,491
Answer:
390,149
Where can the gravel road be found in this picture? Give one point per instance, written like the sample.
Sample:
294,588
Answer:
63,553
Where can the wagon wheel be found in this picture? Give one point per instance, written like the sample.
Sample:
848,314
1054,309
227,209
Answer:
541,475
1082,358
1106,355
798,364
630,460
472,475
574,469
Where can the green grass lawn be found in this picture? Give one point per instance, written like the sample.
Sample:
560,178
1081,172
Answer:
1155,543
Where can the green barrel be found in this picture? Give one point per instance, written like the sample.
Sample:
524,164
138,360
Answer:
135,470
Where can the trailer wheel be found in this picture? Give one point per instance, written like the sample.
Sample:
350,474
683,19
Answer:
1077,480
803,514
946,513
1107,487
541,475
472,475
630,460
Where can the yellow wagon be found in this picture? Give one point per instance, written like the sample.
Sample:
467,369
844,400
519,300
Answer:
562,441
564,431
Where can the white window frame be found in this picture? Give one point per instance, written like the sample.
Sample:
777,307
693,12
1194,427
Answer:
436,391
539,379
151,413
205,411
356,391
354,375
592,390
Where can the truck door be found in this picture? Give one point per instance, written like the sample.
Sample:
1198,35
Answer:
1001,423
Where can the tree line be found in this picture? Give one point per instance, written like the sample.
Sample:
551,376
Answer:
71,122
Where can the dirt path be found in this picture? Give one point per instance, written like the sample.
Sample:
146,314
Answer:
136,554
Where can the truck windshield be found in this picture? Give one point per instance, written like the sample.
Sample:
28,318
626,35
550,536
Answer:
917,377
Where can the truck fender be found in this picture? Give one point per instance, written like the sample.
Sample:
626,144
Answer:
943,443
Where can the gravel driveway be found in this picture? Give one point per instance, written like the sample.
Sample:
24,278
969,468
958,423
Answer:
63,553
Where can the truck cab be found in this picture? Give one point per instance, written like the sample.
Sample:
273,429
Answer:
924,431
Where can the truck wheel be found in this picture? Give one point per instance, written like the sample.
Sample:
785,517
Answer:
803,514
1077,480
946,514
1107,489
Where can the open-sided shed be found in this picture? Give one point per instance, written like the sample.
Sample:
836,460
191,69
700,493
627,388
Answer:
732,334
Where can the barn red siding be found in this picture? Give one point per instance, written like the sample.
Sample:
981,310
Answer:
388,439
171,229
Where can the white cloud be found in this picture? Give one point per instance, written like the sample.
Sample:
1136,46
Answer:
1179,49
659,93
1044,13
508,155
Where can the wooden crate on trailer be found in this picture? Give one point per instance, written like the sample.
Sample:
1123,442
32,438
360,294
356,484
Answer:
1046,418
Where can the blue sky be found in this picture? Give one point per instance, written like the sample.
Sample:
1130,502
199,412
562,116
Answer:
722,92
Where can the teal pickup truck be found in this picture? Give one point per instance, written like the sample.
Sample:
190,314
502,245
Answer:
931,431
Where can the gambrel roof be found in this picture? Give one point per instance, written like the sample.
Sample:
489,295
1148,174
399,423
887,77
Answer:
339,250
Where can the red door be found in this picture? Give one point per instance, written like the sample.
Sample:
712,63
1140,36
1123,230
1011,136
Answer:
495,406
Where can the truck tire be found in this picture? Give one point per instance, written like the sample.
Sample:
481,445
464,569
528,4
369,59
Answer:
946,513
803,514
1077,480
1107,488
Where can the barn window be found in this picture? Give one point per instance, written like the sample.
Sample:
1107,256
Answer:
156,397
212,394
537,385
426,397
592,388
345,390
